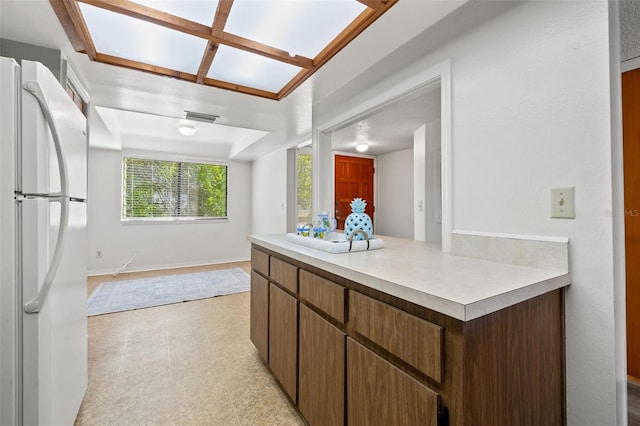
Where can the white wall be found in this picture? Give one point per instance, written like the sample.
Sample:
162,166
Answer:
394,208
269,193
530,112
161,245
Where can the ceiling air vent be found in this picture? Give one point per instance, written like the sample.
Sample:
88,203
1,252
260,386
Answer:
198,116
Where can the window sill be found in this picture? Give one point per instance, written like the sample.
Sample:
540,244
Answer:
173,220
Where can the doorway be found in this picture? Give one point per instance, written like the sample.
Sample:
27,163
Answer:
353,178
631,154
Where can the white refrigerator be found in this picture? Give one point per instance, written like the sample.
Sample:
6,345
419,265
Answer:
43,258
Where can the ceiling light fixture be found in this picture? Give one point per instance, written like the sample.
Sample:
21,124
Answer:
362,147
186,127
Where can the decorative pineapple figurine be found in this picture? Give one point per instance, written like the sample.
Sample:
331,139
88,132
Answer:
358,219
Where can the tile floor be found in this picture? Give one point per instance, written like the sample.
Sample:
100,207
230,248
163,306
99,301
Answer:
189,363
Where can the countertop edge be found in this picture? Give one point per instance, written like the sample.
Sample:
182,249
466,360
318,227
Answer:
454,309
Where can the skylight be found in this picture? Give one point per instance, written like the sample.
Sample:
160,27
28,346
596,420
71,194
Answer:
304,27
259,47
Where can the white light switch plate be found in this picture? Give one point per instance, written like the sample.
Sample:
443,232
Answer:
563,203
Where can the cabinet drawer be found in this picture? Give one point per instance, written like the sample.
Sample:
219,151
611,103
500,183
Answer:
260,261
412,339
284,274
323,294
378,393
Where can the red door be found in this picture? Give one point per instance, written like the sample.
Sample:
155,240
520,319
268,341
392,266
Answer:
631,153
353,179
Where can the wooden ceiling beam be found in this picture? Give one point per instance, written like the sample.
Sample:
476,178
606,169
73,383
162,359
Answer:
242,89
67,24
141,66
373,4
222,14
207,60
74,26
264,50
219,21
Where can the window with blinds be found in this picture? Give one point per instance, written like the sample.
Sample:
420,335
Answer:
171,189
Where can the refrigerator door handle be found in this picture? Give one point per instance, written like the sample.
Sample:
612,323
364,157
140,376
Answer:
35,89
34,306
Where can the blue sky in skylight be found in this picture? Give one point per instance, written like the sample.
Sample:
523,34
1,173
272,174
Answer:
302,27
137,40
240,67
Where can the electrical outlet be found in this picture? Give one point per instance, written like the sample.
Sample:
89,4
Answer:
563,203
99,254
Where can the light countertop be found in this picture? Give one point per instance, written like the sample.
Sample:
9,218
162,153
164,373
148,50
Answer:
461,287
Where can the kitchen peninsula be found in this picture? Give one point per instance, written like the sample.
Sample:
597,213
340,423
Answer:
409,335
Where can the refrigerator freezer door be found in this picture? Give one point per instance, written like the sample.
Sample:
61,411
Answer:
9,78
39,168
55,339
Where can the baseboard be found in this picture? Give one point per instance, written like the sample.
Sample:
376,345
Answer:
145,268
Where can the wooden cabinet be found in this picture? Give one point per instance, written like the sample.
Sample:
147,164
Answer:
414,340
323,294
260,262
283,338
259,332
284,274
321,370
378,393
348,354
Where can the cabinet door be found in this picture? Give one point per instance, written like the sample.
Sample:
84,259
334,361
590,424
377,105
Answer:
260,314
321,370
378,393
283,341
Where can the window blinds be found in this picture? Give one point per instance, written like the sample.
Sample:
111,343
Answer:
171,189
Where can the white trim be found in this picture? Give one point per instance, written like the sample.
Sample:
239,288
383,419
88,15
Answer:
292,188
297,141
617,203
387,97
165,156
438,73
353,154
564,240
446,131
630,64
98,272
73,79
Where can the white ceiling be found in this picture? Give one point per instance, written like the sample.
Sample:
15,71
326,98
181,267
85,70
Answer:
629,29
137,131
286,122
391,128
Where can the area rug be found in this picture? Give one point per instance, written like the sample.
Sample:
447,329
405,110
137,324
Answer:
141,293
